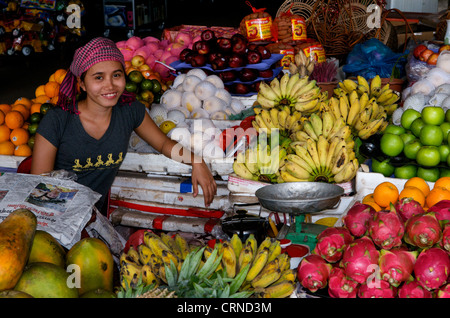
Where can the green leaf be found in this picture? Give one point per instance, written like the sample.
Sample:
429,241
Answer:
195,261
208,264
200,291
239,279
242,294
184,270
171,274
225,292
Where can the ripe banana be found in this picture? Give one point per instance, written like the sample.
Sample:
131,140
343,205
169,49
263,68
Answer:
242,171
236,244
317,124
148,276
245,257
268,275
375,86
229,259
280,290
258,264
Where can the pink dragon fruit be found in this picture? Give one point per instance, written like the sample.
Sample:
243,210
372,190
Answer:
341,286
423,230
386,229
443,292
396,265
357,218
377,289
313,272
441,211
445,241
360,259
432,268
331,243
407,207
412,289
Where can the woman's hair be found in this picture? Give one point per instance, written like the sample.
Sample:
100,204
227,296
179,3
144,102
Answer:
97,50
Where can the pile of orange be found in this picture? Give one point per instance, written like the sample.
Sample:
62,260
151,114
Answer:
416,188
48,92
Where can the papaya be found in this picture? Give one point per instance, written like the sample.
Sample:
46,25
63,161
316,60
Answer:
16,237
11,293
98,293
96,264
46,280
46,248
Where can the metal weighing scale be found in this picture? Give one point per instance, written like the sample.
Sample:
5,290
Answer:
299,199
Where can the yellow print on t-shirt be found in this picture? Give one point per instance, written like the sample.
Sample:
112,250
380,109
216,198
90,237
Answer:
99,163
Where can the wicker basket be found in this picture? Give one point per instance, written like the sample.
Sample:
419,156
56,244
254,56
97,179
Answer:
303,8
441,27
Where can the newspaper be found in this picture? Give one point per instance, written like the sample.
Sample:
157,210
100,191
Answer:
62,207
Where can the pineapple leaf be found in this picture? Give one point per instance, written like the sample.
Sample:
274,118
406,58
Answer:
195,262
242,294
225,292
171,274
239,279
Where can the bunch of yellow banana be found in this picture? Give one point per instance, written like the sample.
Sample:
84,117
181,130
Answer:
292,91
363,114
323,160
302,64
382,94
283,121
146,261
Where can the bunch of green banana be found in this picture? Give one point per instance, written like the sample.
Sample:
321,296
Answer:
382,94
302,64
290,90
322,160
363,114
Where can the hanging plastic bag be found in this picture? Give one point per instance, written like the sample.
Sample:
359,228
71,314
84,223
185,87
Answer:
372,58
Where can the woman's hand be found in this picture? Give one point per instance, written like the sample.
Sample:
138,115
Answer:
201,175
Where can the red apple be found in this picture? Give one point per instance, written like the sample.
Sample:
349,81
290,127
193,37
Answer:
219,63
432,60
227,76
253,57
265,53
444,48
236,60
266,73
425,55
184,53
248,74
418,49
241,89
208,35
198,60
224,44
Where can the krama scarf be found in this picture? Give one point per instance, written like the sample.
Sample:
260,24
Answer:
97,50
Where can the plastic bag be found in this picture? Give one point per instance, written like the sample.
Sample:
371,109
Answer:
372,58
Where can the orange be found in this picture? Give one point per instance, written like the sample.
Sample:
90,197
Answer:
19,136
22,150
4,133
369,200
54,99
2,117
35,108
127,64
40,90
51,89
5,108
59,75
22,109
414,193
52,78
7,148
385,193
42,99
14,119
420,183
437,194
24,101
443,182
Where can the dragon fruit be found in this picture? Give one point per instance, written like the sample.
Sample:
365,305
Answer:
313,272
341,286
386,229
407,207
331,243
441,211
423,230
396,265
445,241
357,218
412,289
377,289
360,259
443,292
432,268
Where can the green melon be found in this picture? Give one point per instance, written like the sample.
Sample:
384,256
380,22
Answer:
46,280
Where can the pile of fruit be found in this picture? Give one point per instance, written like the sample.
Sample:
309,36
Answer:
228,269
310,137
419,146
422,53
33,264
392,244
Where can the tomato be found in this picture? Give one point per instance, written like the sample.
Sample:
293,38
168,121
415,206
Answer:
408,116
433,115
428,156
431,135
391,144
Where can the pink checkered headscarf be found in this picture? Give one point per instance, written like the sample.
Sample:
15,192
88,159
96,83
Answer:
97,50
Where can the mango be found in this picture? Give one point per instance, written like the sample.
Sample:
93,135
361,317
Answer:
46,248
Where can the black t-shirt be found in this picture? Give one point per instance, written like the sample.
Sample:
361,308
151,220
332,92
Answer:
95,162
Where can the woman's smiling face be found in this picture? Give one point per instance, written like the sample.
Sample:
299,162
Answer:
104,83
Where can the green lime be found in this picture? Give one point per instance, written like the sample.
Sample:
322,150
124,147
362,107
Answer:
428,174
406,171
35,117
32,128
147,84
147,96
136,76
31,141
156,86
131,87
45,107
